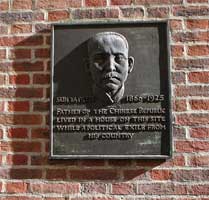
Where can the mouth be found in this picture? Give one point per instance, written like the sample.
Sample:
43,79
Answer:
110,77
110,81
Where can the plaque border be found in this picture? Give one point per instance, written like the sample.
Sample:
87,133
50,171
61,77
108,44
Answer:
112,22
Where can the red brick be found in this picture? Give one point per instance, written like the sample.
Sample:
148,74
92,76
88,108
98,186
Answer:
92,163
28,92
191,146
93,198
120,163
41,78
52,4
122,189
21,41
18,106
157,2
148,163
160,174
58,15
44,160
191,37
20,146
38,16
190,11
197,24
99,174
192,119
184,91
95,13
60,188
22,4
2,80
178,77
194,63
21,198
40,133
94,188
21,28
4,5
2,106
42,53
39,160
177,50
21,119
21,79
200,190
96,3
199,161
17,133
199,104
176,24
121,2
48,41
202,133
135,174
56,174
159,12
179,132
19,159
21,66
3,29
190,175
20,53
4,173
24,173
197,1
133,12
164,188
198,77
175,161
43,28
1,133
180,105
2,54
16,187
13,17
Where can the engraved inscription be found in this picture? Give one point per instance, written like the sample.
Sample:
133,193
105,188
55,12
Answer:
112,123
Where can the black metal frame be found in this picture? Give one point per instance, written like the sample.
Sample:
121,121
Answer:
114,22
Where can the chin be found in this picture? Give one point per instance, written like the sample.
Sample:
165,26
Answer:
111,88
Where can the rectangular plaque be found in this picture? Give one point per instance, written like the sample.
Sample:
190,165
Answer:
110,91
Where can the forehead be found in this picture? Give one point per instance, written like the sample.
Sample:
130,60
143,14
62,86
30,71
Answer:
107,43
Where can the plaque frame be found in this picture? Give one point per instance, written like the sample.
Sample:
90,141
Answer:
164,23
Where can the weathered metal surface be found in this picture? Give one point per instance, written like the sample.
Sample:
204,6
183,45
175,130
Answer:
110,94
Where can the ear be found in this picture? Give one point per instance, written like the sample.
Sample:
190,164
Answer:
130,64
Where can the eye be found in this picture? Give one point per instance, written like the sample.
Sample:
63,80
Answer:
99,58
119,58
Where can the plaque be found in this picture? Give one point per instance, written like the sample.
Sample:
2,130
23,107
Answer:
110,91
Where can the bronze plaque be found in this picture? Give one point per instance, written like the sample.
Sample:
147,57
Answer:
110,91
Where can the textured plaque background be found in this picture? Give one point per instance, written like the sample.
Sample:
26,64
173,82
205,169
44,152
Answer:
150,76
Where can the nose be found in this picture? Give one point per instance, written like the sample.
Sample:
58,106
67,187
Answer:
110,64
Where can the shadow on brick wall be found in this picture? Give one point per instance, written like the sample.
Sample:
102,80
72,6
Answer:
27,148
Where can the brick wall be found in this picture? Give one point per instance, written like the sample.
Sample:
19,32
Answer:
27,174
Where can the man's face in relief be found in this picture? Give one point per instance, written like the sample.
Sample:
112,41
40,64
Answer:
109,64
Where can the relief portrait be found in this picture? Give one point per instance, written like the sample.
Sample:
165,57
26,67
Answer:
109,65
